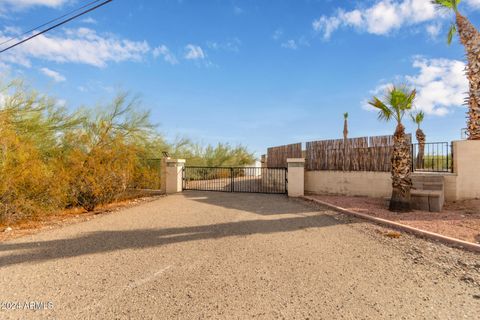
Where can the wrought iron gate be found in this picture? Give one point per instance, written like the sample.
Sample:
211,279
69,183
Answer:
236,179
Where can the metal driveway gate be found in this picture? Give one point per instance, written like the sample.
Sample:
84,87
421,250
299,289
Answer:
236,179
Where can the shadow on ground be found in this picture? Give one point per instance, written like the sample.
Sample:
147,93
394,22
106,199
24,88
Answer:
107,241
262,204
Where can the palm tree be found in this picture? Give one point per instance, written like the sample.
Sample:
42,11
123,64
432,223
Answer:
345,139
418,118
397,102
470,38
345,126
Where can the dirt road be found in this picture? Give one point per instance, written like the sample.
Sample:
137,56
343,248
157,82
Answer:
233,256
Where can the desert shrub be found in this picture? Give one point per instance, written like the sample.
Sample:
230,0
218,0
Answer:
147,174
106,150
51,159
30,182
221,155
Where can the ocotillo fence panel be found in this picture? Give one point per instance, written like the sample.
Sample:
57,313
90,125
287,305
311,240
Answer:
277,156
356,154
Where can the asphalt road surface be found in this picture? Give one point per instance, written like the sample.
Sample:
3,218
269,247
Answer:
203,255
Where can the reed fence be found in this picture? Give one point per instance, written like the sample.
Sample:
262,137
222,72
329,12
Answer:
355,154
277,156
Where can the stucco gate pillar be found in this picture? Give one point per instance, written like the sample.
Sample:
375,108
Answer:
465,162
296,177
173,176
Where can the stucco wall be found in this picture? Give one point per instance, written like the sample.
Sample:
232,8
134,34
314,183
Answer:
370,184
466,156
358,183
463,184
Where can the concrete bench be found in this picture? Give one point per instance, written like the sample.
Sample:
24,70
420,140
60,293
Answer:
428,192
427,200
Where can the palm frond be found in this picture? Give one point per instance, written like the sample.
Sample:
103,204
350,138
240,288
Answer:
418,117
345,115
451,32
397,102
410,98
448,4
384,113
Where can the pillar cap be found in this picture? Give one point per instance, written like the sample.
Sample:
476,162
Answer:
176,160
296,160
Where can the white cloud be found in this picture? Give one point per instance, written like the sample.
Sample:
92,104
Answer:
473,3
383,17
327,25
57,77
290,44
80,45
167,55
22,4
434,29
194,52
89,20
277,34
232,45
441,85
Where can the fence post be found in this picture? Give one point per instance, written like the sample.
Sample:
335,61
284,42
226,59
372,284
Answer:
296,177
174,175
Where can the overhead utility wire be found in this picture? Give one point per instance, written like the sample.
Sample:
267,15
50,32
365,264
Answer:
50,22
56,25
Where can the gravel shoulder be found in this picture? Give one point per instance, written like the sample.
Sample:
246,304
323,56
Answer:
235,256
459,219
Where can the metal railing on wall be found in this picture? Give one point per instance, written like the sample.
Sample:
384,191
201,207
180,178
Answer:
432,157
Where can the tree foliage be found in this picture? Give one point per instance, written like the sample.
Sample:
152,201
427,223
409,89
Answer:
51,158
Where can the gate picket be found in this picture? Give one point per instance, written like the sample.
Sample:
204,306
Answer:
236,179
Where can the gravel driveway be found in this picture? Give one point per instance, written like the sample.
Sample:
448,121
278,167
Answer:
234,256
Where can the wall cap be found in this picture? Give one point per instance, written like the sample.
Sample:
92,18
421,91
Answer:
296,160
465,141
176,160
436,174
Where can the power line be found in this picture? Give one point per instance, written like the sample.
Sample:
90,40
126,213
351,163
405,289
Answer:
56,25
50,22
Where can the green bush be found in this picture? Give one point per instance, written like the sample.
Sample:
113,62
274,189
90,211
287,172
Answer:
51,159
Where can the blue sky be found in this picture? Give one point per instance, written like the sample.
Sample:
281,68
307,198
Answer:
256,72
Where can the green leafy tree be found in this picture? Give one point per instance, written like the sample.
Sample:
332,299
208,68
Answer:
32,179
51,159
107,150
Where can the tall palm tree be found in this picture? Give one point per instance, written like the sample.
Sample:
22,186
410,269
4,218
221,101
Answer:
397,102
345,139
345,126
418,118
470,38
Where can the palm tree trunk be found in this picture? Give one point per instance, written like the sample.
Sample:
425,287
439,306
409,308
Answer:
421,148
401,168
470,38
345,142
